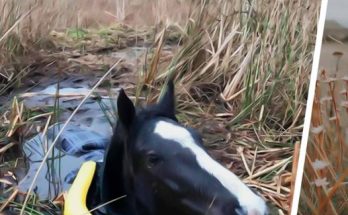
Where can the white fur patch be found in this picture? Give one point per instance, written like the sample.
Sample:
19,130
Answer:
247,199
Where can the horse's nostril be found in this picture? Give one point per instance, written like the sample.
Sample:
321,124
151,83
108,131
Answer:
241,211
227,209
232,209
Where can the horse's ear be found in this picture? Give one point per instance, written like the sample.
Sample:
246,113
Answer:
166,103
125,109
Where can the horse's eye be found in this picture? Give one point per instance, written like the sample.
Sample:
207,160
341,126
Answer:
152,160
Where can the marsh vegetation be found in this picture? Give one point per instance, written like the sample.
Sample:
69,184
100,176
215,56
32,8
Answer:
241,73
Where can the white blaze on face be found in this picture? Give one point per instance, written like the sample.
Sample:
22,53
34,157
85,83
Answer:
252,203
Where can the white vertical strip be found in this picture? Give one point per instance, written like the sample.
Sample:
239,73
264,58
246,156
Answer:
308,116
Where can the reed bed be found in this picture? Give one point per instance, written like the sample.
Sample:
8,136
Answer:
324,188
241,70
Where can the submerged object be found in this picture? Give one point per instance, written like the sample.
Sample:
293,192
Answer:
74,147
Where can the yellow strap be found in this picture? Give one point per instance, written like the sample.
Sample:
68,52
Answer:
75,202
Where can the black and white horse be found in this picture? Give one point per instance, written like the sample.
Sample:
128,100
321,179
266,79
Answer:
163,168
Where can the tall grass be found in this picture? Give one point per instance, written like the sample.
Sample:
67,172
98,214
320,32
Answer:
26,26
58,15
251,52
324,183
245,66
241,71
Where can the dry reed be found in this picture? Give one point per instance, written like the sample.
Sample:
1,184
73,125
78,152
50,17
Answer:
241,70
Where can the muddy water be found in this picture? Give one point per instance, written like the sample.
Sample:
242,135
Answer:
92,123
75,86
89,128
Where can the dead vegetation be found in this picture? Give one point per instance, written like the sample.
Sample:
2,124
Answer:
241,70
324,187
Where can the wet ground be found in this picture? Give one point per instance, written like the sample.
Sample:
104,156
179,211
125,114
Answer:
93,121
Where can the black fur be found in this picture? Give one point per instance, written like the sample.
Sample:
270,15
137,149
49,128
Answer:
158,176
